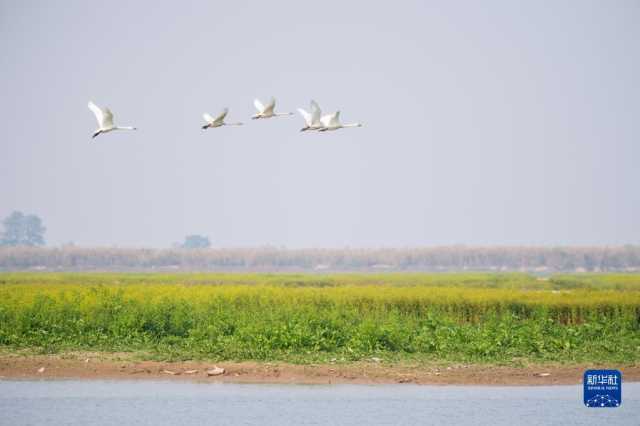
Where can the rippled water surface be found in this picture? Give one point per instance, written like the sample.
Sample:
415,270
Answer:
170,403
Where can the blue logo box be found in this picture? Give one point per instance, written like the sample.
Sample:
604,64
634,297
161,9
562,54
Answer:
602,388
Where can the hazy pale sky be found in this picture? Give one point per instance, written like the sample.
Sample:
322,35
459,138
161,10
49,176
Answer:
494,122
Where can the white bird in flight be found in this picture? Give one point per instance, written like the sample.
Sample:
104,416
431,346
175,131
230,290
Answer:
218,121
266,111
332,122
105,120
311,119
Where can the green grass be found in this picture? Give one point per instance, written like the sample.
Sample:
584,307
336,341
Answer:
315,318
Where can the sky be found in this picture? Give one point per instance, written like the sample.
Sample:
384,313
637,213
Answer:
485,123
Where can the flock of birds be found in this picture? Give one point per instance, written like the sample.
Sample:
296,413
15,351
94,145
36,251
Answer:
313,119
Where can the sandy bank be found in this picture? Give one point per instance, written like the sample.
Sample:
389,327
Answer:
124,366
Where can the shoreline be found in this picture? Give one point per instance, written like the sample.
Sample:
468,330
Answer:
101,366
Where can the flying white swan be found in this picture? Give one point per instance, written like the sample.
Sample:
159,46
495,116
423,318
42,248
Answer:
332,122
311,119
218,121
105,120
266,111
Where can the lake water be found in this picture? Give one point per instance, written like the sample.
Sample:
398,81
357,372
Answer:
169,403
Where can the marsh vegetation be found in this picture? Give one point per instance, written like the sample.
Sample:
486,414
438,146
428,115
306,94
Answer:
317,318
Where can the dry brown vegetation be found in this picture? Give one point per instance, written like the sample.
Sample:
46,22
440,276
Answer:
540,259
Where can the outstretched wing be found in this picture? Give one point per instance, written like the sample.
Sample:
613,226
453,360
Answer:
306,116
258,105
220,118
208,118
108,118
268,109
316,112
335,119
97,112
104,116
326,119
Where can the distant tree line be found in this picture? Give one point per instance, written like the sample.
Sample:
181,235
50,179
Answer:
458,258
